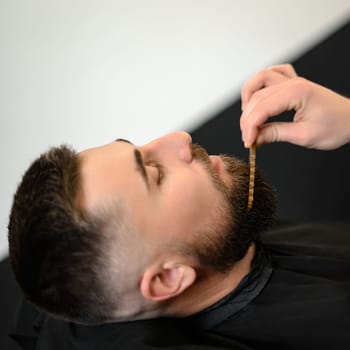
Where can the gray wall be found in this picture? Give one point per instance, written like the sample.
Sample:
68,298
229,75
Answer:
86,72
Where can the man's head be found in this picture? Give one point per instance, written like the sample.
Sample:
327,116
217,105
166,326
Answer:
119,231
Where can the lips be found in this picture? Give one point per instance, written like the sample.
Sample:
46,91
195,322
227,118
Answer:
216,162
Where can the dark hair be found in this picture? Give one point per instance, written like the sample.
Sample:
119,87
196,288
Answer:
57,252
251,224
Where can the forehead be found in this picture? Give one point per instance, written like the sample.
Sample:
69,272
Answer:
104,150
106,174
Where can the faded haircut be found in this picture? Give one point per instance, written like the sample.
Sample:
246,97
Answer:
58,252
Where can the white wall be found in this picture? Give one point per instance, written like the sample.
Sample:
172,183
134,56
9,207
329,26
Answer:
86,72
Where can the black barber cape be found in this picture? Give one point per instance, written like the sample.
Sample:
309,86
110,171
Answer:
297,296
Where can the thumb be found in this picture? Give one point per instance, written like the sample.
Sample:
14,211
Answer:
291,132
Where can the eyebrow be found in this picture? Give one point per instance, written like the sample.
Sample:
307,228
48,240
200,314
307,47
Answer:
140,166
123,140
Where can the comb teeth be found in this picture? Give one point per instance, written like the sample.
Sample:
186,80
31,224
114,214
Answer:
252,158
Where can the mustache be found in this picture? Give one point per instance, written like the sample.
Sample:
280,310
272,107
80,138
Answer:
199,153
233,165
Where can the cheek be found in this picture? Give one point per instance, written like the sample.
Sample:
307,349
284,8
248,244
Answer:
194,204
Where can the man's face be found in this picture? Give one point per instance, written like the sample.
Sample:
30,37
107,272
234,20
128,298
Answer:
172,190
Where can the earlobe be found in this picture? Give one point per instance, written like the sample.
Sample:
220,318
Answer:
166,281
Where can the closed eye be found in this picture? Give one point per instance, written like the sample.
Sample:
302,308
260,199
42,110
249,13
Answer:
160,171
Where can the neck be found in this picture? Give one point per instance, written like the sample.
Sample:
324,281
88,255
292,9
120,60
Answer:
211,288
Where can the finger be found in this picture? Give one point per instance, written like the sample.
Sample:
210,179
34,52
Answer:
255,101
285,69
292,132
258,116
286,96
263,79
259,96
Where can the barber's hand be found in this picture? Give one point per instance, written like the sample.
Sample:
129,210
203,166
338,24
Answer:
321,120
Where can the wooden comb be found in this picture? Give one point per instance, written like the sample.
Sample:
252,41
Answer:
252,159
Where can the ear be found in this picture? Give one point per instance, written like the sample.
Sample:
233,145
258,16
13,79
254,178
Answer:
164,282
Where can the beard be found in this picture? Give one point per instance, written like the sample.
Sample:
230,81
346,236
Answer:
227,240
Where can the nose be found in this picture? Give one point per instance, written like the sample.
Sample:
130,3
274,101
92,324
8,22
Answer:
174,144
